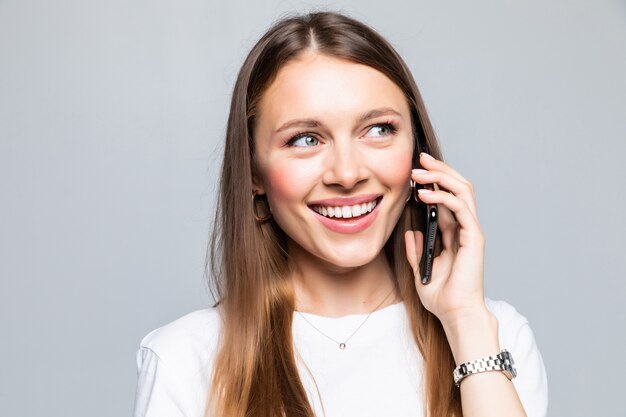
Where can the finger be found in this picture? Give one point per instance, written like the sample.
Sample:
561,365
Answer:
413,243
460,188
429,162
457,206
448,225
448,182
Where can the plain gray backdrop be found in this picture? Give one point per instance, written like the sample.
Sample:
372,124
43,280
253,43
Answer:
112,117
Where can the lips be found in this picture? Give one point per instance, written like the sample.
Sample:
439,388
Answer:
347,214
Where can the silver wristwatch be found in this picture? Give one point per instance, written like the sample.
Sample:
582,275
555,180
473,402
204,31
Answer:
503,361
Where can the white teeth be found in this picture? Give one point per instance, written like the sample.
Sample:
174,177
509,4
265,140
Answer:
345,211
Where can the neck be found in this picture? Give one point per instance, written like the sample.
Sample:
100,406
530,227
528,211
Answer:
329,290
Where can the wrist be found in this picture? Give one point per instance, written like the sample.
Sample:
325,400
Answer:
472,335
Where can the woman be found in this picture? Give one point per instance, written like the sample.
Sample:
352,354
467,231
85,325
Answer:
321,310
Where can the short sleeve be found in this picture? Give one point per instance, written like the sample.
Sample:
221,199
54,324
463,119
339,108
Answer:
174,365
157,392
531,381
518,338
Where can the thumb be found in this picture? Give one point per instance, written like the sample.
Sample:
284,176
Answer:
414,243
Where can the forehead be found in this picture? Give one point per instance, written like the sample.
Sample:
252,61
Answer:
331,89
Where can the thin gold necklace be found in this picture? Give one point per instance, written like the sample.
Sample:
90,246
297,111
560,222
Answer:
342,345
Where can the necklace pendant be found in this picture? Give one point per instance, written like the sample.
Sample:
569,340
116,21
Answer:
342,346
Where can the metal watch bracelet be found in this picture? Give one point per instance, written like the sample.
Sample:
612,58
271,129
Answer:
503,361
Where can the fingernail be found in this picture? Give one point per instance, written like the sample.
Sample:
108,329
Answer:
424,191
419,171
427,155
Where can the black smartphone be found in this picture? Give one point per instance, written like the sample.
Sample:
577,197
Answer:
426,222
428,254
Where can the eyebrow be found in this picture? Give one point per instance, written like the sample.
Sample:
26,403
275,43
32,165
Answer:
312,123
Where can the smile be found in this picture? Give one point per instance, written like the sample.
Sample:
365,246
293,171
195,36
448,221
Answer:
346,212
347,218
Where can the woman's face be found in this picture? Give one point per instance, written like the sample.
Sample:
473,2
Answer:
334,137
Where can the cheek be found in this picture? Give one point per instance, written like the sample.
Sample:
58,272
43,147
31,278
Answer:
395,167
285,184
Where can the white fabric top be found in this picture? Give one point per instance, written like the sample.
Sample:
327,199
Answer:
378,374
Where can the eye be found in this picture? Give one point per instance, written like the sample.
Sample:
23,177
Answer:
385,126
304,140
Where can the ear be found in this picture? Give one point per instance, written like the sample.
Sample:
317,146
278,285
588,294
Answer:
257,184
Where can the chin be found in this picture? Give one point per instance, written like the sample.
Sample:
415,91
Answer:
351,258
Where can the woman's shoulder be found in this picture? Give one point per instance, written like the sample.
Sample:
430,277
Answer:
174,362
187,342
505,312
513,326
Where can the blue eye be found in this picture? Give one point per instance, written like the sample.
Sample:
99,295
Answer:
390,127
307,140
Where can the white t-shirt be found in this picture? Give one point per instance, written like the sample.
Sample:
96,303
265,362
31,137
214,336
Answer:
378,374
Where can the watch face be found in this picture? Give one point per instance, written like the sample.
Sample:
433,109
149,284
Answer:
511,372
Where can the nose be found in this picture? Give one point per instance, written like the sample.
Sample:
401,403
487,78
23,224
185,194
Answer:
345,165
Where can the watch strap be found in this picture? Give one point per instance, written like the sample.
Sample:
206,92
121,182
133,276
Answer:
503,361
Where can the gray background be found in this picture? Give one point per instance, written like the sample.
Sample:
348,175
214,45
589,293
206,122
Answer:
111,121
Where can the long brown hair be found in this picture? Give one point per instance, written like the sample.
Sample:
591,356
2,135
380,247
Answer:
255,371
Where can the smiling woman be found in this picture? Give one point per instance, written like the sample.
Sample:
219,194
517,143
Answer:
320,310
351,159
